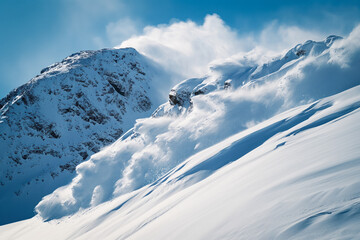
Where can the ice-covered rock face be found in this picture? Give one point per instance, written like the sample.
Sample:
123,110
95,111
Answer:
64,115
181,93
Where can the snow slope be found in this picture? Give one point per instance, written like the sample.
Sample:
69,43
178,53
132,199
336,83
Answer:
214,162
193,121
63,116
294,176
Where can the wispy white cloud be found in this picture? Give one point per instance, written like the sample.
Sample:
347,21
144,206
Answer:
121,30
277,37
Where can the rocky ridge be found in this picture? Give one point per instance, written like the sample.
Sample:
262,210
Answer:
67,113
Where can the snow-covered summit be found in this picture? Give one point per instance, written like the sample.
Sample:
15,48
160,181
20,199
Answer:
63,116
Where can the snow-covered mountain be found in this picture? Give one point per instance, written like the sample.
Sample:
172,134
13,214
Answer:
64,115
200,113
294,176
251,150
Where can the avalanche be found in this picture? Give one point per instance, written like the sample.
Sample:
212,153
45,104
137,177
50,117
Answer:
192,121
259,151
292,176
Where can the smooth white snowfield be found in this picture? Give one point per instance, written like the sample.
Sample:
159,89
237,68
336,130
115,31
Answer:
294,176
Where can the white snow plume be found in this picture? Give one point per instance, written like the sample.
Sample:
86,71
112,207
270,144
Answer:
203,113
186,48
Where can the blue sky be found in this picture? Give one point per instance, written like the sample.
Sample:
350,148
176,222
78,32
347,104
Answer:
37,33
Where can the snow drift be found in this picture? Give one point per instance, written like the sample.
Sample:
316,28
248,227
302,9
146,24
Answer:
234,96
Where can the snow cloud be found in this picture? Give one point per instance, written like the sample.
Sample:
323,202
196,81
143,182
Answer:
186,49
344,53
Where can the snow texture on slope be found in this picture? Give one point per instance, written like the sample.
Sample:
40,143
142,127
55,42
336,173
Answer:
64,115
294,176
201,112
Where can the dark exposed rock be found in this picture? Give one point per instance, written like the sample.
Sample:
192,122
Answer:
173,98
144,103
84,155
300,53
118,87
180,98
54,174
69,167
227,84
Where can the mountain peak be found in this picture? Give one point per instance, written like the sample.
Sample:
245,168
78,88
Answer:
64,115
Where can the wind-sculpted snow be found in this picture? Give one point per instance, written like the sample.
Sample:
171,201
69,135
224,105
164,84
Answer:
293,176
64,115
202,112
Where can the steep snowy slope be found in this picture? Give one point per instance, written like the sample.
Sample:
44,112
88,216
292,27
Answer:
193,121
294,176
63,116
184,174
